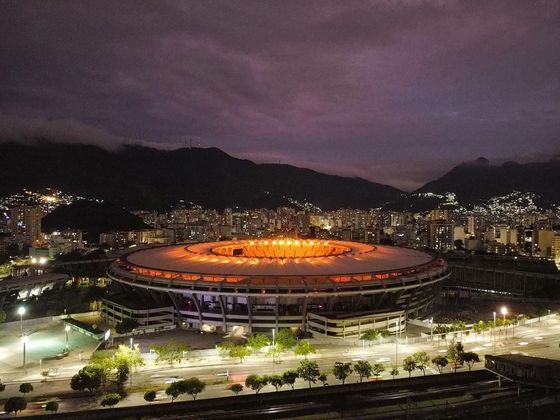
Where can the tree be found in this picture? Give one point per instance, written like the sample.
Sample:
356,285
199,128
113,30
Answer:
255,382
394,371
341,371
455,354
171,352
308,371
103,363
173,390
276,381
2,386
370,335
14,405
25,388
150,396
87,378
323,377
285,339
52,406
421,359
121,376
110,399
257,341
130,357
239,351
289,377
2,316
303,348
470,358
440,362
126,326
236,388
409,365
377,369
363,368
192,386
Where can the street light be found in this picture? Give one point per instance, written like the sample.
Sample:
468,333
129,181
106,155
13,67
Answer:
66,329
432,329
504,312
494,329
24,340
21,312
273,347
131,340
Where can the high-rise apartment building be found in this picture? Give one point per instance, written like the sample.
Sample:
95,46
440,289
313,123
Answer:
25,223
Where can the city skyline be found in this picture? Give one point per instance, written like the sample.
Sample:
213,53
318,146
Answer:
394,94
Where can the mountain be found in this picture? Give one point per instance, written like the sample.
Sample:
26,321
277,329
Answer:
473,182
92,218
139,177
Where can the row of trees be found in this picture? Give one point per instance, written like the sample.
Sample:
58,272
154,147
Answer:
17,404
309,371
107,367
284,341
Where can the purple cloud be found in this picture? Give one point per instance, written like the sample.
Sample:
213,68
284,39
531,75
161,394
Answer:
394,92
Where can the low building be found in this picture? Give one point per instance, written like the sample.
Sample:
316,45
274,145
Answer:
525,370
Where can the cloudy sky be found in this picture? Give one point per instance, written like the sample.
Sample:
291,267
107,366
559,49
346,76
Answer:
397,92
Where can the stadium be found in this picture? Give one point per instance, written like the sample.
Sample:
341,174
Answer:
335,288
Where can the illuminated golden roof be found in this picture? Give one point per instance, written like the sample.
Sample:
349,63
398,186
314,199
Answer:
265,258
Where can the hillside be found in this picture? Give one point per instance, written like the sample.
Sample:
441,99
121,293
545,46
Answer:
145,178
476,181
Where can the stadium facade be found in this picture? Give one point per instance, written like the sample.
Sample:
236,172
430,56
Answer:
335,288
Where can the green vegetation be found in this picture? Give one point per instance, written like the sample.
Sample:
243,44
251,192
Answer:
276,381
323,377
364,369
285,339
409,365
110,399
308,371
304,348
455,353
342,370
421,360
239,351
192,386
52,406
394,371
289,377
372,335
236,388
15,405
171,352
470,358
377,369
127,325
89,378
2,316
256,382
173,390
455,326
440,362
150,396
257,341
25,388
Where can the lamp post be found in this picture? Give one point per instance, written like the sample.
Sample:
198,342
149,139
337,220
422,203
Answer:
24,340
494,330
273,347
131,341
66,329
504,312
21,312
432,329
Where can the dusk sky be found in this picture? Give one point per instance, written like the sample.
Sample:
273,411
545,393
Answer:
395,92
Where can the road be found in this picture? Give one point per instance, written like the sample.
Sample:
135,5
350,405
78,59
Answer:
537,340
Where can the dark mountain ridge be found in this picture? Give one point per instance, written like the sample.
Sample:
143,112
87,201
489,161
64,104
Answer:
475,181
140,177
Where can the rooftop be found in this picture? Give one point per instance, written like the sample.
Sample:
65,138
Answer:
283,258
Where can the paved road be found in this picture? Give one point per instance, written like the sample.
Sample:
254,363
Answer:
538,340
